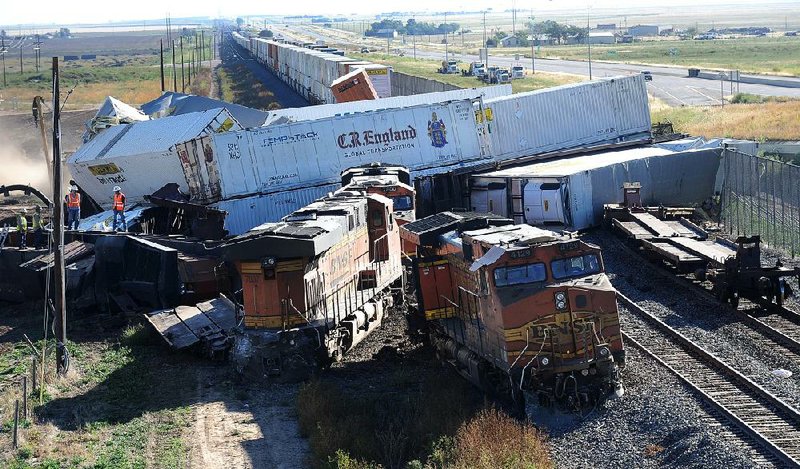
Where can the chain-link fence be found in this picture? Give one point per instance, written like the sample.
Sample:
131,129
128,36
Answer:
761,196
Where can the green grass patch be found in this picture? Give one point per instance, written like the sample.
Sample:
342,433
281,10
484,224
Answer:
773,55
427,68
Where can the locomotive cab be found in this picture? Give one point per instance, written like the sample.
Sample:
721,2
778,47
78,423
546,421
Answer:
521,302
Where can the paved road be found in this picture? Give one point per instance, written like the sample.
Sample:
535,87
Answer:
669,84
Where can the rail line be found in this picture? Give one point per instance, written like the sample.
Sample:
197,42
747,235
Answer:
763,418
776,325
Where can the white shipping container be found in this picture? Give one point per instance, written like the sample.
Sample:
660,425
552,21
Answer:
570,116
287,156
282,116
571,192
138,175
249,212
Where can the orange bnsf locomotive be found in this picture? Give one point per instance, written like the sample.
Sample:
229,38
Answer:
316,283
518,310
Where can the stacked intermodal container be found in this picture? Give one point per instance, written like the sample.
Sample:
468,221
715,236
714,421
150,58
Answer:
310,70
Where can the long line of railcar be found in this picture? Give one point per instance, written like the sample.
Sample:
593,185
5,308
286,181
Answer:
311,69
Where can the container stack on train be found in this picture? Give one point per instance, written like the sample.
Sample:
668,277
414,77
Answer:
311,71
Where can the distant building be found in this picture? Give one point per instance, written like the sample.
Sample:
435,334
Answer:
543,40
510,41
607,26
641,30
606,37
392,33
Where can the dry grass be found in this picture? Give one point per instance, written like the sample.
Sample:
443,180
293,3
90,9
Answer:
494,440
86,95
765,121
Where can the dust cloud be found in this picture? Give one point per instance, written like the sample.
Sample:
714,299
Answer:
18,166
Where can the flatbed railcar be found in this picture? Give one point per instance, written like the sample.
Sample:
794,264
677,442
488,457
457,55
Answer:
521,312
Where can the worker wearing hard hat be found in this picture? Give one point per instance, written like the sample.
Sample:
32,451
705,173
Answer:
73,200
119,208
38,228
22,228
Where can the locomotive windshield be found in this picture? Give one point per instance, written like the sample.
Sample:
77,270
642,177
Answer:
402,202
519,274
575,266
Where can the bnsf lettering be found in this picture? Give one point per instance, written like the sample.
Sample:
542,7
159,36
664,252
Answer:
371,137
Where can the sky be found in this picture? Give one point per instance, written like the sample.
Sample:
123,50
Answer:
14,12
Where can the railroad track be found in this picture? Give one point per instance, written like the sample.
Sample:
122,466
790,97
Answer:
761,417
778,325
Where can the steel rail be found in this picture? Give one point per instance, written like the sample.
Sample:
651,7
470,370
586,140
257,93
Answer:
767,420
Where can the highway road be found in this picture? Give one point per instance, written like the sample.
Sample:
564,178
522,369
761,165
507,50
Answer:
670,84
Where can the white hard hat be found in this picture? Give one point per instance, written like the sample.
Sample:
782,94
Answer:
73,188
117,189
24,211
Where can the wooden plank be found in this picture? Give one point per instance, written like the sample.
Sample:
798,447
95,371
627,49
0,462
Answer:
632,229
672,253
221,311
713,251
172,329
196,321
654,225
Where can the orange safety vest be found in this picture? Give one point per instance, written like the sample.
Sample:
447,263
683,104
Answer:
119,201
73,200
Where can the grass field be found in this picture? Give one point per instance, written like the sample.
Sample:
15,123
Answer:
427,69
120,406
126,67
758,121
772,55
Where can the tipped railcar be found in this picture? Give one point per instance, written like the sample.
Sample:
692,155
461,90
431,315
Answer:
520,311
316,283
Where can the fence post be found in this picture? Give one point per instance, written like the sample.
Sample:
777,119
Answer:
14,439
33,375
24,398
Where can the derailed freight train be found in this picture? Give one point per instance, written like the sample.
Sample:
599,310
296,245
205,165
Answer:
520,311
316,283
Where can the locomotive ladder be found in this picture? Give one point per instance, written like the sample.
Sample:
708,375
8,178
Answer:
764,418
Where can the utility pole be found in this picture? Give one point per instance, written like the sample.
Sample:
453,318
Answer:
484,32
533,43
37,48
3,51
162,65
62,355
446,42
20,57
203,46
183,78
589,43
174,74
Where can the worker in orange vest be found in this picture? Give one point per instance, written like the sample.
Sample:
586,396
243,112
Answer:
119,208
73,200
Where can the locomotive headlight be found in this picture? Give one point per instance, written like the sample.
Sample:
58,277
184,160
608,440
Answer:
561,300
603,352
545,361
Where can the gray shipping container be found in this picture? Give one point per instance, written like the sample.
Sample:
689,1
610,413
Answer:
571,192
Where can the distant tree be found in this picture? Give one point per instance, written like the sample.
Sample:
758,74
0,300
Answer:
692,31
64,32
522,37
396,25
265,33
500,35
239,22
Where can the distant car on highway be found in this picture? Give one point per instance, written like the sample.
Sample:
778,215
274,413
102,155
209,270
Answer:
647,75
365,50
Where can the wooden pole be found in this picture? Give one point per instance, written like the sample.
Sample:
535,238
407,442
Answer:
62,360
183,77
163,88
24,398
174,70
